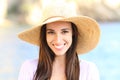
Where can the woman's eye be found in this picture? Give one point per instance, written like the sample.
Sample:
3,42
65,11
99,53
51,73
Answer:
50,32
65,32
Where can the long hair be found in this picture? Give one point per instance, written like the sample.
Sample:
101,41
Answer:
47,56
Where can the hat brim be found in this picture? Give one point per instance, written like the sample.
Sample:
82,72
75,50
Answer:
87,27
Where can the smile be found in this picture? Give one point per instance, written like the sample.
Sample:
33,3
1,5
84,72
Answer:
59,46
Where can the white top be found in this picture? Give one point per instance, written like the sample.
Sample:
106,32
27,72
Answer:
88,70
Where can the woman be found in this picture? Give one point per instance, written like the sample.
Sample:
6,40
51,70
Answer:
61,37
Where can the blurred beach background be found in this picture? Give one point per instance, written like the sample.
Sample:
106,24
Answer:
18,15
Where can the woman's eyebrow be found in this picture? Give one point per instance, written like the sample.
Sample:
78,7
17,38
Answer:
61,29
66,29
50,30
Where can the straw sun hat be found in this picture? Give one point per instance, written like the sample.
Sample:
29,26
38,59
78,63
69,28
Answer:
87,27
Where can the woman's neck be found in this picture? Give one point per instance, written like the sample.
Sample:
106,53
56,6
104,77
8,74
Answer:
58,71
59,60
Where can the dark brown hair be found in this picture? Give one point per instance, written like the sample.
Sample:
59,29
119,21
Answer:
46,58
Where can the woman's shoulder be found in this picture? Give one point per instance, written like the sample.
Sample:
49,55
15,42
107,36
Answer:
28,69
88,70
86,63
31,62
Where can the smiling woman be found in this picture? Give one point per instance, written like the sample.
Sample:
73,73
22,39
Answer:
58,42
61,37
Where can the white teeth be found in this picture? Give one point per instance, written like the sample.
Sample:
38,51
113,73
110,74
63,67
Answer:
58,46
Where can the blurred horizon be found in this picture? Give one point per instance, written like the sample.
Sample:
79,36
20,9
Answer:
29,11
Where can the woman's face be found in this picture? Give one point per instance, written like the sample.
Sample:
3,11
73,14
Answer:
59,37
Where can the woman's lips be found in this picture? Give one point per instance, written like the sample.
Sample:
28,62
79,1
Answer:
59,47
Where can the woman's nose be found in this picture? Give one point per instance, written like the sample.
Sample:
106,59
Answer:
58,38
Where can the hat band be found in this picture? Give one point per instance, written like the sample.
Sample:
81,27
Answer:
53,18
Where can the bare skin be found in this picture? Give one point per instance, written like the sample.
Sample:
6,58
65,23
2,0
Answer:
58,72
